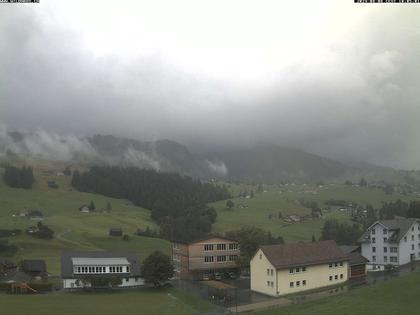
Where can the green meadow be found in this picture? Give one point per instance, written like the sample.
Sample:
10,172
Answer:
73,230
285,199
131,302
399,296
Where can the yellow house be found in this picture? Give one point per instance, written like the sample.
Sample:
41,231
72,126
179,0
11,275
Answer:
285,269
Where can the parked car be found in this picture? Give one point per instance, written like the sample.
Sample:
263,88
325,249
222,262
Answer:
217,276
233,275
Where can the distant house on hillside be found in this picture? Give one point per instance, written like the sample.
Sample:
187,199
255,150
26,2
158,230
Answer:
52,184
35,214
84,208
79,269
34,267
115,232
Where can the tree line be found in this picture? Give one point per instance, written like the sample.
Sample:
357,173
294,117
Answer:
177,203
19,177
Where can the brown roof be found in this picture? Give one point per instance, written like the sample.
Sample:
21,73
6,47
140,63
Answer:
356,259
303,254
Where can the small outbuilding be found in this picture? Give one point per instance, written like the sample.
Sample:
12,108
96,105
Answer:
357,263
34,267
115,232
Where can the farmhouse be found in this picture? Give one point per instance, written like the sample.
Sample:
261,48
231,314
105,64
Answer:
34,267
35,214
285,269
84,208
391,242
79,269
205,257
115,232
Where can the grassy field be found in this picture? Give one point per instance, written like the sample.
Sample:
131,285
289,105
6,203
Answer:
399,296
285,198
142,301
73,230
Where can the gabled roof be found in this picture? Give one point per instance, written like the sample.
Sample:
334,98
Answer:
303,254
34,265
347,249
356,259
399,226
67,261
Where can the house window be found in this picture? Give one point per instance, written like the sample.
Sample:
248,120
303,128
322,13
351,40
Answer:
373,258
385,249
221,246
272,283
418,236
385,239
208,259
412,228
373,231
291,270
373,240
385,258
298,283
336,277
297,269
260,256
341,263
303,282
412,237
335,264
384,231
272,271
303,269
405,238
221,258
412,246
233,257
393,249
291,284
331,278
208,247
393,259
233,246
341,276
373,249
268,283
330,265
268,272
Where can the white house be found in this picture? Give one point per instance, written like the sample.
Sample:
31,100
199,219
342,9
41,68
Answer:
391,242
77,268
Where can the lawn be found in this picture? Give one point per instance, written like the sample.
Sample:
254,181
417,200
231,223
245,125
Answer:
73,230
142,301
285,199
399,296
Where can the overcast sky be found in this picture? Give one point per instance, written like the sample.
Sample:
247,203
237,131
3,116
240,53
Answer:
330,77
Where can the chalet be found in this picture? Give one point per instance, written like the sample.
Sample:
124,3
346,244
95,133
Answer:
391,242
357,263
290,268
35,214
84,208
77,268
115,232
204,257
34,267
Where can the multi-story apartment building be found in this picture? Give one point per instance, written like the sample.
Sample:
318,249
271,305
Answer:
391,242
206,256
285,269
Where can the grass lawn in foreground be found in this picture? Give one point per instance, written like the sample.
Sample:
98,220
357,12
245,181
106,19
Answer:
128,302
397,297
